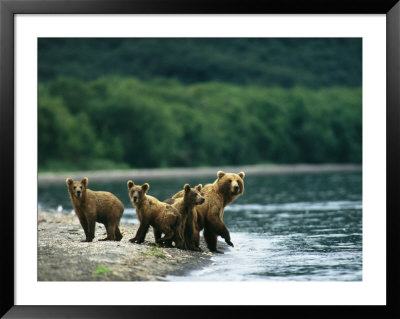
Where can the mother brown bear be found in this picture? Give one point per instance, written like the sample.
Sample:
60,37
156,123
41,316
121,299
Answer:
217,195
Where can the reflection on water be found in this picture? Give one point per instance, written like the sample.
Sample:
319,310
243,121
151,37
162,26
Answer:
284,227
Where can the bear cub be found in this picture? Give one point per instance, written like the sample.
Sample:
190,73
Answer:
95,206
186,207
164,218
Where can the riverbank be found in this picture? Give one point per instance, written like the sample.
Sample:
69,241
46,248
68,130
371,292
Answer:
148,174
63,256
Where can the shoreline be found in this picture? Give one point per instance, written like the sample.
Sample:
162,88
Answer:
156,173
63,256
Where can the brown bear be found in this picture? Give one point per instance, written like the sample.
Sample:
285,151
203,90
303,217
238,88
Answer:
222,192
95,206
186,207
164,218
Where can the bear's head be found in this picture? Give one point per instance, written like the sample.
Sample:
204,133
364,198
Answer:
230,184
192,195
77,189
137,193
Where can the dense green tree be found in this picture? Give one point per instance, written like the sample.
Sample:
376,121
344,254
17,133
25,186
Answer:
126,122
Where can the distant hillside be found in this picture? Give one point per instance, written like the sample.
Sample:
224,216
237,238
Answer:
306,62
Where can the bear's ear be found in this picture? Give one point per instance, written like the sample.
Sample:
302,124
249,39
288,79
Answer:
220,174
69,181
199,187
186,188
130,184
145,187
242,175
85,181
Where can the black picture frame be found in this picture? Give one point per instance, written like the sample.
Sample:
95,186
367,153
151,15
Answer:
8,10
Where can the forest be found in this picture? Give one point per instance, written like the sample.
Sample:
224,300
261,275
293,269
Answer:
141,103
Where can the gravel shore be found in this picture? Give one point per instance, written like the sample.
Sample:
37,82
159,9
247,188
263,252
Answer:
63,256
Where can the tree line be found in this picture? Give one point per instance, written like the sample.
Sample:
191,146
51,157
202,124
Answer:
127,122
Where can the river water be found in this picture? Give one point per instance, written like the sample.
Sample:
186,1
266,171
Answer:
294,227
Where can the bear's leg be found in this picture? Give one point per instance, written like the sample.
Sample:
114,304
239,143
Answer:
169,236
91,228
190,237
118,235
196,239
84,224
220,229
141,233
157,235
166,242
211,239
110,231
176,235
179,241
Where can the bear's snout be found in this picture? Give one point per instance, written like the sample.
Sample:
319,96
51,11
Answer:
202,200
236,188
135,198
78,193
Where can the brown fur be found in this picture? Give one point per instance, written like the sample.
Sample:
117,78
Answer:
226,188
164,218
95,206
186,207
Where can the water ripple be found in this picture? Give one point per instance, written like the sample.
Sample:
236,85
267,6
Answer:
300,206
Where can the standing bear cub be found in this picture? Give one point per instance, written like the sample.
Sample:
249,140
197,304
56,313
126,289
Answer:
164,218
186,207
95,206
226,188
